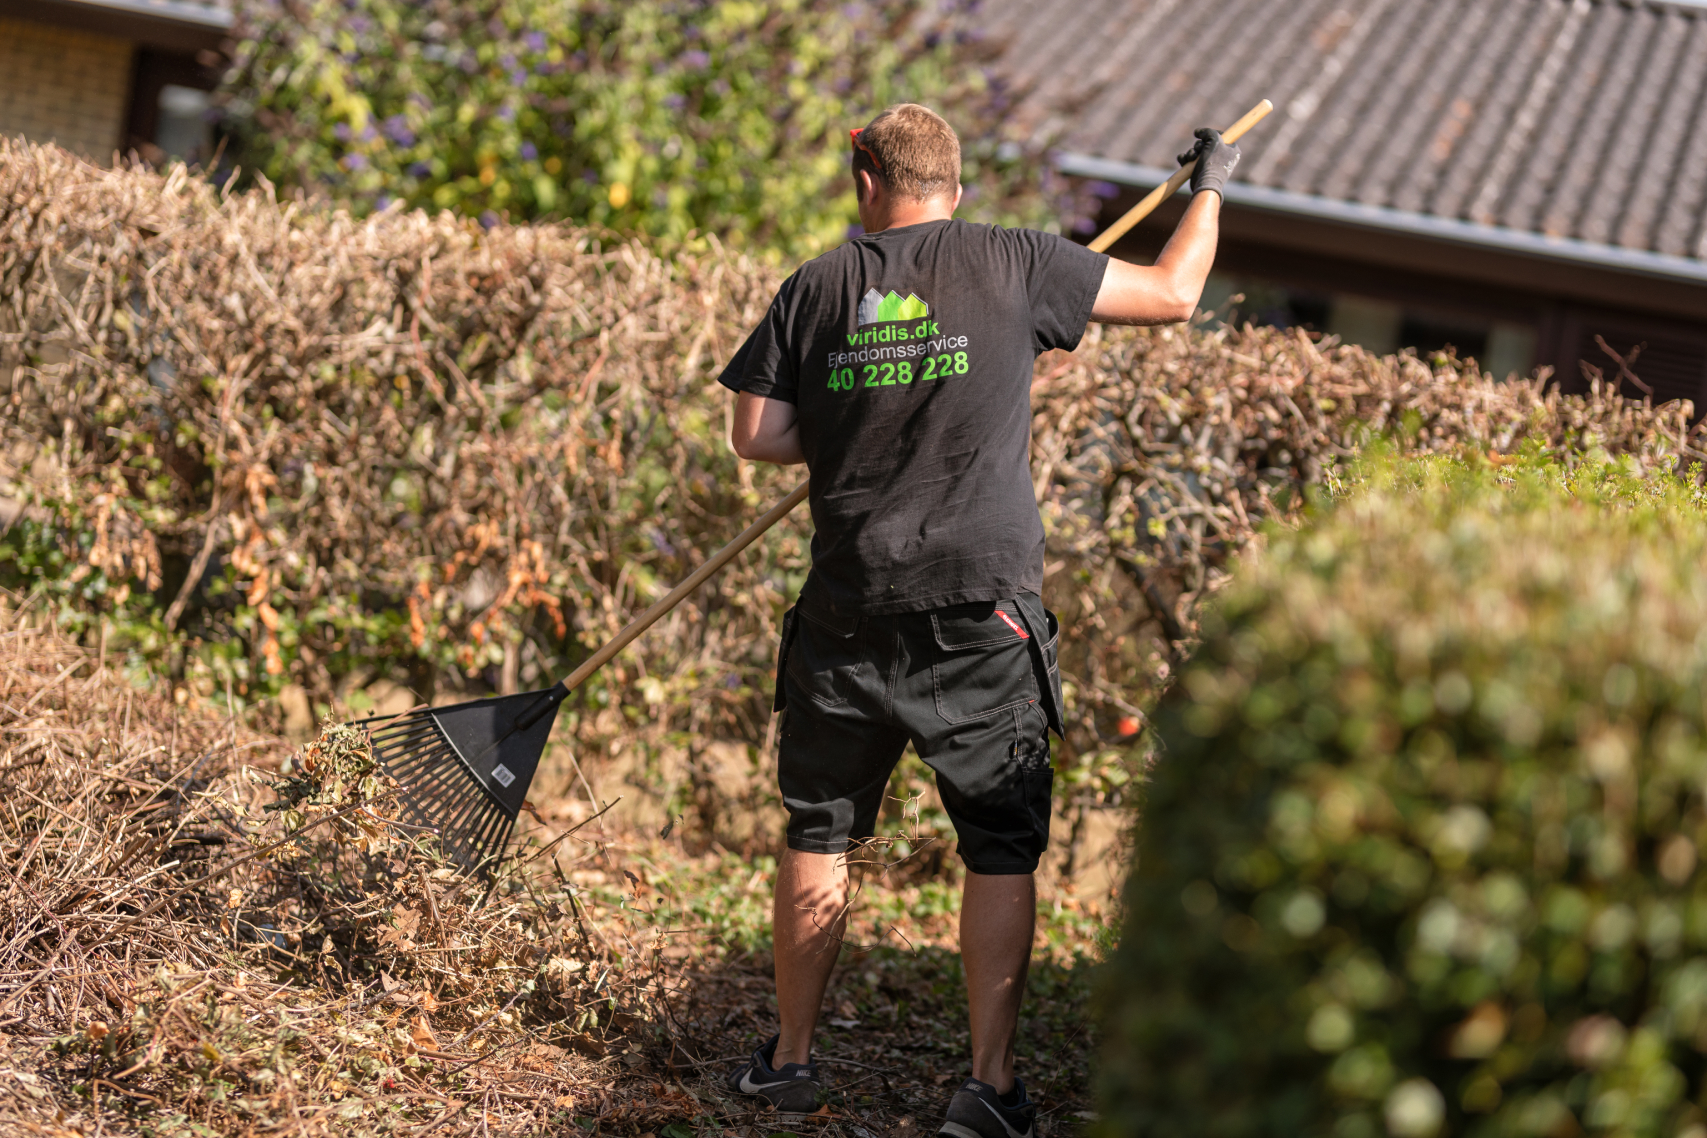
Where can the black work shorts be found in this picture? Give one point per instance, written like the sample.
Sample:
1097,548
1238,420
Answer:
975,687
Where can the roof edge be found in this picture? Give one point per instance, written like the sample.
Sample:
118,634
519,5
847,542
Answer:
1662,265
169,25
174,11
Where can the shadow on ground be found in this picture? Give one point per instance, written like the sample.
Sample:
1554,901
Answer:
892,1043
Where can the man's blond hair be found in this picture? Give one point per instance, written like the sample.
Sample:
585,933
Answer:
914,151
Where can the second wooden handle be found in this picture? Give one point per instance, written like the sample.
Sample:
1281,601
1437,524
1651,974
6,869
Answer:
1170,187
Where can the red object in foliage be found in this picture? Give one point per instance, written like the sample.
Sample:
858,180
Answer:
1128,725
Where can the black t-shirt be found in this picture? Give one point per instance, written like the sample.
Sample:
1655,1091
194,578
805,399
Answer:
908,354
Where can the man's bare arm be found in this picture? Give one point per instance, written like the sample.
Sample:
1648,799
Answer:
766,430
1168,291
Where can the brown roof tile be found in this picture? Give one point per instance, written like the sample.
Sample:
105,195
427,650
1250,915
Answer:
1579,119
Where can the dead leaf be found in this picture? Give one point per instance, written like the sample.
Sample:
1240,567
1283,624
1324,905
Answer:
422,1034
401,932
386,982
429,1003
565,1102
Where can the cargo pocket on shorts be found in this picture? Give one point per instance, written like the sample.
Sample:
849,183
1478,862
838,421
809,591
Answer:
1036,771
982,661
823,657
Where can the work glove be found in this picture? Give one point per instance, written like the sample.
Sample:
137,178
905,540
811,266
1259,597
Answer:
1215,160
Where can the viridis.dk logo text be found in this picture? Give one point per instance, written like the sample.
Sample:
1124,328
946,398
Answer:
893,314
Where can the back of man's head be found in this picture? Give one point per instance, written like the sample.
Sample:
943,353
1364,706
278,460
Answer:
912,149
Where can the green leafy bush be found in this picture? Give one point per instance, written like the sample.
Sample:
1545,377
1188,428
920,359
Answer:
1418,854
650,116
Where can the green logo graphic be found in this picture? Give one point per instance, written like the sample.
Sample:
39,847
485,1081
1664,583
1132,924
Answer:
877,308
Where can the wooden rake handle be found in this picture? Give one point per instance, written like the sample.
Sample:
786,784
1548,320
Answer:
1170,187
678,594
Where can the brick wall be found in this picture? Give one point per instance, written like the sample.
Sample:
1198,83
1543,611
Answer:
65,86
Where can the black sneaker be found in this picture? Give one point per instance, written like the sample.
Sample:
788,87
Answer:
976,1111
794,1089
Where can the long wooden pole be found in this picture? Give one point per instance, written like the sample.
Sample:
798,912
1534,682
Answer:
1170,187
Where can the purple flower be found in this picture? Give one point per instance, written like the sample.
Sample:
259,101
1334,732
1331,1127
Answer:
507,113
675,102
660,542
341,132
382,201
507,62
518,77
694,60
855,230
529,152
488,220
535,41
1103,189
397,130
1084,225
353,162
732,681
420,169
360,24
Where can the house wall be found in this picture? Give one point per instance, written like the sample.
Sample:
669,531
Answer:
66,86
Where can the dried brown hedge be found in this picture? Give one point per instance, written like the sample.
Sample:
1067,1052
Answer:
156,976
266,444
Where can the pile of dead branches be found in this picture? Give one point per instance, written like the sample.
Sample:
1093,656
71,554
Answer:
274,450
204,932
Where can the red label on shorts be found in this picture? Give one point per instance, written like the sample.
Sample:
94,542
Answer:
1023,634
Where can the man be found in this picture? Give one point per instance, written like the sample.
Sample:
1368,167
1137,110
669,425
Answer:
898,369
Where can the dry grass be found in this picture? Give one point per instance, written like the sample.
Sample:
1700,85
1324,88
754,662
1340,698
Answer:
205,931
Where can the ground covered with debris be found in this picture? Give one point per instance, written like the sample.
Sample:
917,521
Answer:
208,931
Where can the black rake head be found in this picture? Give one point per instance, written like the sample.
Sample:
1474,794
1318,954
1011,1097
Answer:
465,770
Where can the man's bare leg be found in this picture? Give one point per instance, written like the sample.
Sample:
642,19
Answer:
806,924
998,914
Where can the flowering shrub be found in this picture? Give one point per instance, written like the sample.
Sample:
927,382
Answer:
652,116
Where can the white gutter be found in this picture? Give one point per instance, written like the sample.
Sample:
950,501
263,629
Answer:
1685,270
175,11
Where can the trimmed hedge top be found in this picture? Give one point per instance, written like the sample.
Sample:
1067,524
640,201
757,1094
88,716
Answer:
1419,852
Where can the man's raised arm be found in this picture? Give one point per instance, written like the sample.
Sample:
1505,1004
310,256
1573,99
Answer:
1167,291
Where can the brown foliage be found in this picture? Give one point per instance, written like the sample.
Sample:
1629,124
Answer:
170,947
461,459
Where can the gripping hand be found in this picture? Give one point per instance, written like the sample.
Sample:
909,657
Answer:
1215,160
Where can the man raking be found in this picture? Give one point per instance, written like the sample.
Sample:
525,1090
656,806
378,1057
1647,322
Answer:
898,368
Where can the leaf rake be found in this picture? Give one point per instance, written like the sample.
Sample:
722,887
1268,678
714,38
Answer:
465,769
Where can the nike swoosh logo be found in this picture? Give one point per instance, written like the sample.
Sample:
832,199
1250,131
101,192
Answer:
748,1087
1012,1133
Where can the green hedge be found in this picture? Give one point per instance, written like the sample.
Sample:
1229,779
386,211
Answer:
1418,854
